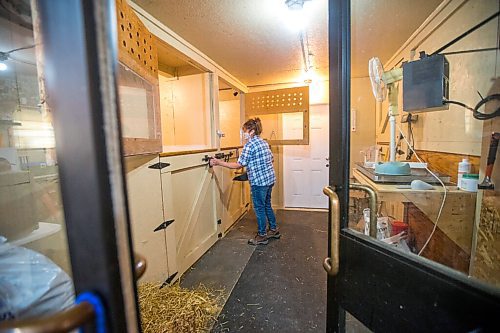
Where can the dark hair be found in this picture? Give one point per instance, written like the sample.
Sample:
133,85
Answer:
253,124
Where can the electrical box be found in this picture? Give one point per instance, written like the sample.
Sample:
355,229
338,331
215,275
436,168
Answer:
426,84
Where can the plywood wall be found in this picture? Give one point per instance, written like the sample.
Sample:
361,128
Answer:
453,130
230,122
363,102
185,112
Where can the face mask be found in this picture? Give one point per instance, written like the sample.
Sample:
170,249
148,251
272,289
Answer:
246,136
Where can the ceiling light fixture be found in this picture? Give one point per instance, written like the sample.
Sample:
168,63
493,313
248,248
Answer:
295,4
295,16
3,67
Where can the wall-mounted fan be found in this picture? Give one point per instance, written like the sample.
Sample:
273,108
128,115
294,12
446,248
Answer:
5,56
386,83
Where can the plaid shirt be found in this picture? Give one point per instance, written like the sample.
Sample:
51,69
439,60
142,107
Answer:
258,159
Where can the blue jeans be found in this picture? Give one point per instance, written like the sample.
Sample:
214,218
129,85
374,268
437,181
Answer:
261,197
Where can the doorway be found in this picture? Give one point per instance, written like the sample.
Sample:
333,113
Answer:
305,167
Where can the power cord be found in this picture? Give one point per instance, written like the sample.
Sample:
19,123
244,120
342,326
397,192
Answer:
444,196
409,153
475,111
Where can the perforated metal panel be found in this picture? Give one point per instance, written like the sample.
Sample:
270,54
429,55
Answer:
277,101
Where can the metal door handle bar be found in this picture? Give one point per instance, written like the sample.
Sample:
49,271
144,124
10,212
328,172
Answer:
372,195
64,321
331,264
61,322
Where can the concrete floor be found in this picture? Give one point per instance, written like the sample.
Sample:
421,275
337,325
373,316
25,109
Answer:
279,287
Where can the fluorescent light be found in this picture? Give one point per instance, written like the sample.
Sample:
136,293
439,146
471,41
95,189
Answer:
3,66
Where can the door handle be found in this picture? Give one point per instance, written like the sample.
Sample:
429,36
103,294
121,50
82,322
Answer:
372,195
331,264
140,265
67,320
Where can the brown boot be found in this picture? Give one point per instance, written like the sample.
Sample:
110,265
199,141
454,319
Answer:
258,240
273,234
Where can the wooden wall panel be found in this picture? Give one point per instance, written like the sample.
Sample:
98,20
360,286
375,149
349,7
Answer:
447,163
486,261
452,130
440,248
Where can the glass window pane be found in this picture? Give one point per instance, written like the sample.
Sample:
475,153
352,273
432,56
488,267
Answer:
414,142
137,104
35,268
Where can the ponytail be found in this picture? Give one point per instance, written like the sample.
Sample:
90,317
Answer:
253,125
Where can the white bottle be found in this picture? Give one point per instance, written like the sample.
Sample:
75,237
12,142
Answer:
463,168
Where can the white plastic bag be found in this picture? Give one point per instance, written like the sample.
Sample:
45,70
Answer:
383,225
31,285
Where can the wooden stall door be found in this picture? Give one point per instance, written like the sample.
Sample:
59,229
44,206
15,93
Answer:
146,215
189,199
233,196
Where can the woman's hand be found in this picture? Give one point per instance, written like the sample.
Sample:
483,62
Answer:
214,162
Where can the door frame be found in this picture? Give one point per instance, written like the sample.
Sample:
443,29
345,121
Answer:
80,61
384,289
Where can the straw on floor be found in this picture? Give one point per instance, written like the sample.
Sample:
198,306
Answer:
177,309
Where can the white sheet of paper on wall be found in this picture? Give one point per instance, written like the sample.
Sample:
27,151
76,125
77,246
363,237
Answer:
134,112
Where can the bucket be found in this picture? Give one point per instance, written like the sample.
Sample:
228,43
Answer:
398,227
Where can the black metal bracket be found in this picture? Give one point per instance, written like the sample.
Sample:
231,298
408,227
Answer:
219,221
164,225
207,159
219,156
159,165
223,156
168,280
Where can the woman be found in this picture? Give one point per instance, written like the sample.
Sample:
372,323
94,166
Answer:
258,159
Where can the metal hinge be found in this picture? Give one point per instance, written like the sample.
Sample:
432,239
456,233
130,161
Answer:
164,225
159,165
219,221
219,235
169,279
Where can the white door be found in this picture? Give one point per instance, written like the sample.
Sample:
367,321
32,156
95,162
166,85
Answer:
305,167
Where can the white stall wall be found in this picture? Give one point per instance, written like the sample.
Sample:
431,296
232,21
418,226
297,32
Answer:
453,130
185,112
